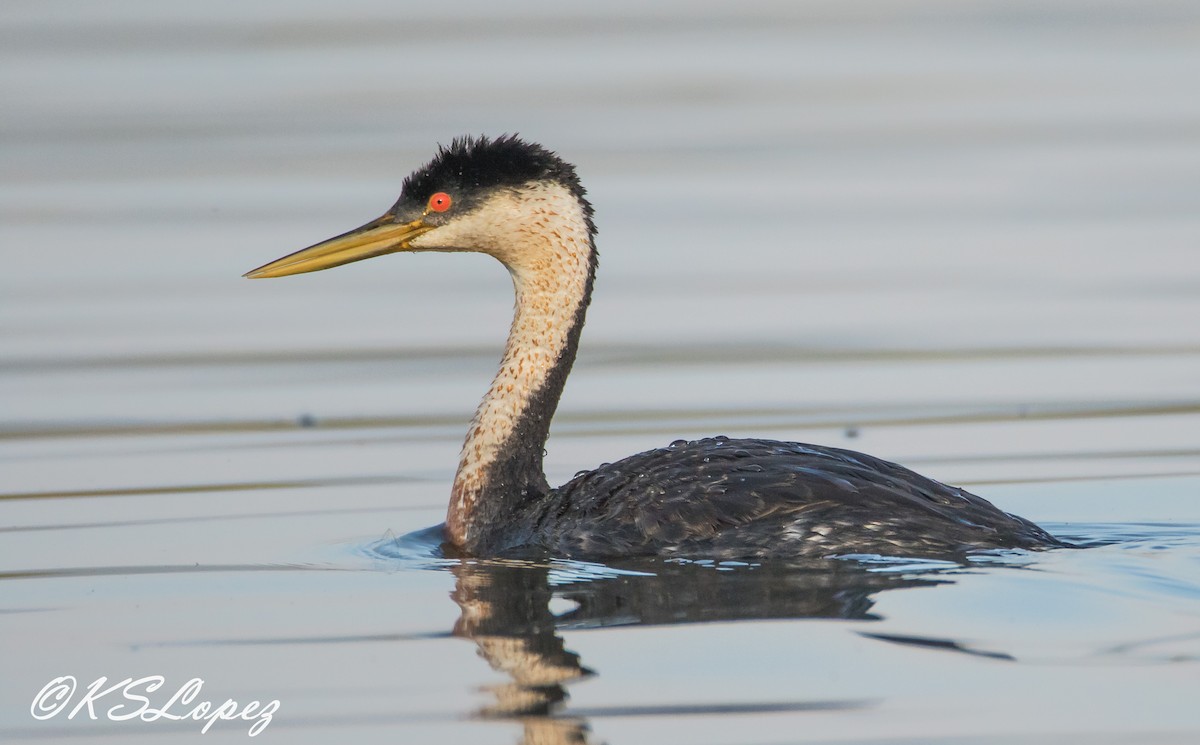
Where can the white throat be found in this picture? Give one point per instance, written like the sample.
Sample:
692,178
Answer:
541,234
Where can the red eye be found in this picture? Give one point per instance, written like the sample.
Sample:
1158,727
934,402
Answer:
439,202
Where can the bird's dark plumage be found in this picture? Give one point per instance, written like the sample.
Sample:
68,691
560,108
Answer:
738,498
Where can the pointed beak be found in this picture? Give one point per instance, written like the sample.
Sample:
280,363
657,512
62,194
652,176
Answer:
376,238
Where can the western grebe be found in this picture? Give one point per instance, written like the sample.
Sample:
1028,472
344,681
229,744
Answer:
715,498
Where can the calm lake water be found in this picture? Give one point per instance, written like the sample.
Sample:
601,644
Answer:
962,236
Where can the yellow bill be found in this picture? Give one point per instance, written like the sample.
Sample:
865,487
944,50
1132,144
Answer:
376,238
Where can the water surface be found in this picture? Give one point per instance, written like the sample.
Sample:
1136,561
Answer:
959,236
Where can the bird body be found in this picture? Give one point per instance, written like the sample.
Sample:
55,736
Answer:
727,498
712,498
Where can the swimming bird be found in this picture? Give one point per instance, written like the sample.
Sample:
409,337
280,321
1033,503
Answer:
715,498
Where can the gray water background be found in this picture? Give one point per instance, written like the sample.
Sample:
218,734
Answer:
962,236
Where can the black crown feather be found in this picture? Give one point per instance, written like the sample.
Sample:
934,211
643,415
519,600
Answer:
472,163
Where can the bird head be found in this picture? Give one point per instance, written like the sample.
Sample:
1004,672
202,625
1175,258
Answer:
493,196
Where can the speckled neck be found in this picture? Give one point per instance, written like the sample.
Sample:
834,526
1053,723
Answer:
544,236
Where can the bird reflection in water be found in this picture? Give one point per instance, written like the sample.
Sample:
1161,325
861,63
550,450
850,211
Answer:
506,612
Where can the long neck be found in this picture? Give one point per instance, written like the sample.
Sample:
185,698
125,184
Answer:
500,474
